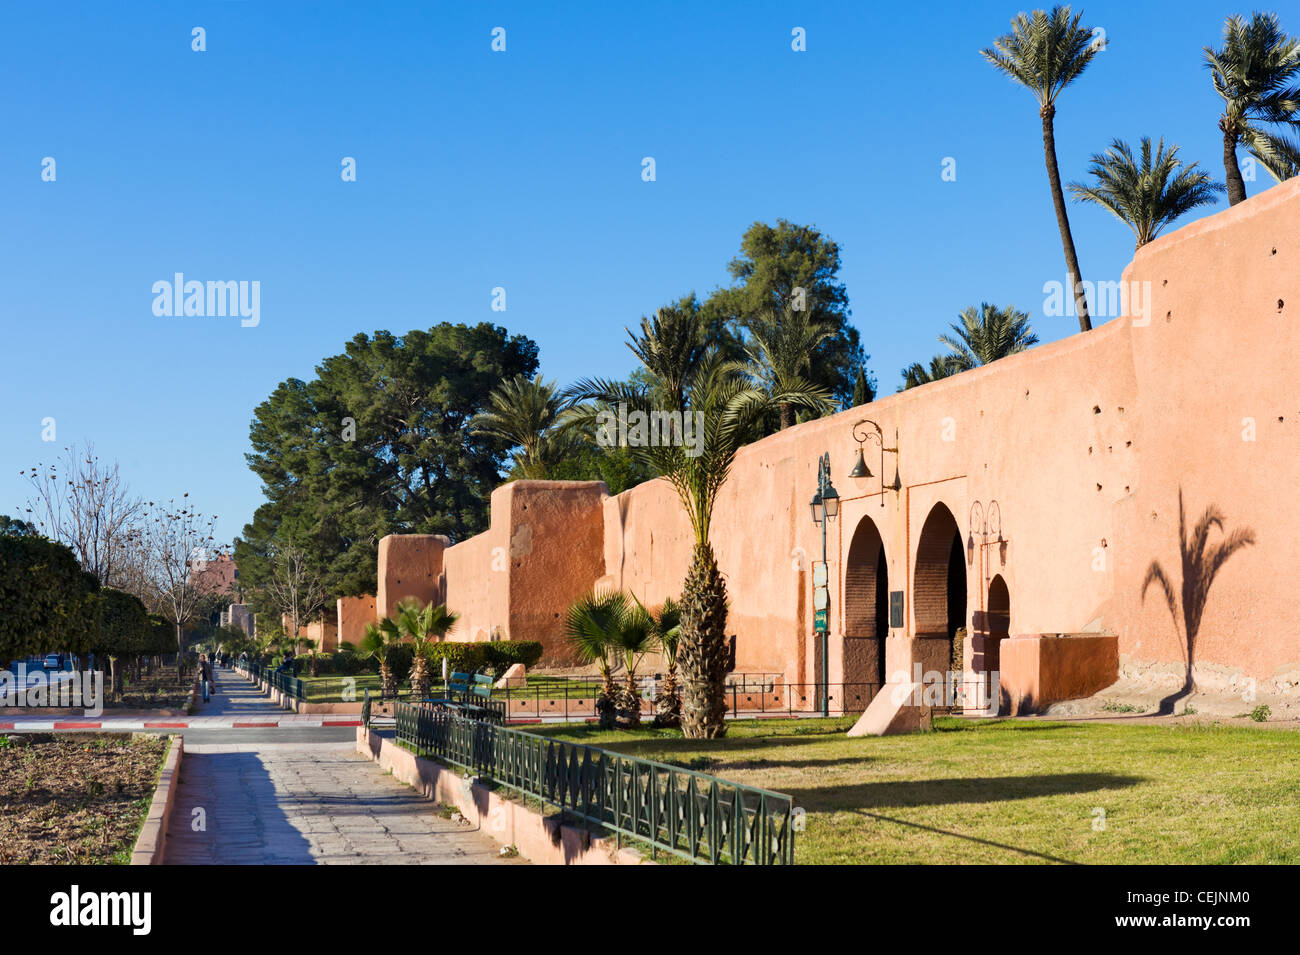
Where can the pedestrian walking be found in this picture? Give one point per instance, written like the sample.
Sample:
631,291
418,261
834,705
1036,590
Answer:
205,676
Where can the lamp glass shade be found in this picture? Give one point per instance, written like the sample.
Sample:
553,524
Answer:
817,508
860,470
831,503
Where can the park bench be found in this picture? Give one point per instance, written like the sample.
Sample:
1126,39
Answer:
471,695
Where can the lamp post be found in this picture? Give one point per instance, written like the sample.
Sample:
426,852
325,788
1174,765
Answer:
825,508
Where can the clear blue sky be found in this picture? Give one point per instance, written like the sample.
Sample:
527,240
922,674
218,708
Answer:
519,169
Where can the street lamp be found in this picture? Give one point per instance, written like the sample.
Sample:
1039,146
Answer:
825,508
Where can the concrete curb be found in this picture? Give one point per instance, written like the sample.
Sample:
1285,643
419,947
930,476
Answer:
539,839
153,835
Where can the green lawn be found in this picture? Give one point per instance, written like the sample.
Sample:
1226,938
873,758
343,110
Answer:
1008,790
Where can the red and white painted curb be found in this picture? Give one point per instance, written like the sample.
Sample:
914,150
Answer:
289,721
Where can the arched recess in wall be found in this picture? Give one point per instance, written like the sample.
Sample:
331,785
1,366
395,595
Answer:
866,610
991,628
938,589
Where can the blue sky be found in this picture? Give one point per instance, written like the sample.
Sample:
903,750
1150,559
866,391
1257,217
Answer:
519,169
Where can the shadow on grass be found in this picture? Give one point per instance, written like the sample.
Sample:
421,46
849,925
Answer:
975,839
943,792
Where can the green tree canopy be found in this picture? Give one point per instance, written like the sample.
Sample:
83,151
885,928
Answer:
775,262
45,594
379,442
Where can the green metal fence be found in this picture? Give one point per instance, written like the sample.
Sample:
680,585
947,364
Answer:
689,814
287,684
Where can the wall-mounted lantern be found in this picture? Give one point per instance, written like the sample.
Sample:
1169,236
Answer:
867,430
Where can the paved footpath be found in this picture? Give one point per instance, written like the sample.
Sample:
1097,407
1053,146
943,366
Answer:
272,803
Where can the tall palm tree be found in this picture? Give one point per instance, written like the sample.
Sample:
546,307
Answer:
376,644
717,393
524,412
780,349
1253,73
592,625
423,625
1278,153
670,345
1045,52
986,334
1200,565
667,621
1149,194
917,374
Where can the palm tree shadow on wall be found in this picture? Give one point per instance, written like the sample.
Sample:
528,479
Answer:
1201,563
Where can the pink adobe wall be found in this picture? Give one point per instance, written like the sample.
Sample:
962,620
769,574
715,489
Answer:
1084,444
474,577
542,550
353,615
410,565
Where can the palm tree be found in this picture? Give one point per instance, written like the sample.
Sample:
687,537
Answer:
670,345
423,626
376,644
717,393
1279,154
780,348
1200,565
667,620
1046,52
592,626
524,412
986,334
1251,73
917,374
1145,195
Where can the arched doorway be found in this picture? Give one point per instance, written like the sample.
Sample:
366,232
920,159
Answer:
991,628
866,614
939,592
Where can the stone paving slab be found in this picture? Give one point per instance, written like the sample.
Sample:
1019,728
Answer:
309,804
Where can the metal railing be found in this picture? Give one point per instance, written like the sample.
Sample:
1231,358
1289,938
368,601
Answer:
576,700
691,815
286,683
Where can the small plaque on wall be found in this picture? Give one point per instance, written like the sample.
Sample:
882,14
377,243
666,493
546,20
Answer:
895,608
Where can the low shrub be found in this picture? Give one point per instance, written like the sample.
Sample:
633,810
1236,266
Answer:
503,654
1261,713
465,657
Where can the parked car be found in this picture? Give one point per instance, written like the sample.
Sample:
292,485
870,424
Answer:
52,662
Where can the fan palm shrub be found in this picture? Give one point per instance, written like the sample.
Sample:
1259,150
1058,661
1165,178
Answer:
423,625
1146,193
376,644
1045,52
592,626
1255,73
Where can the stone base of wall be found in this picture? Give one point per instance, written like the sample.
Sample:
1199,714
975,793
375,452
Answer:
1041,669
539,839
